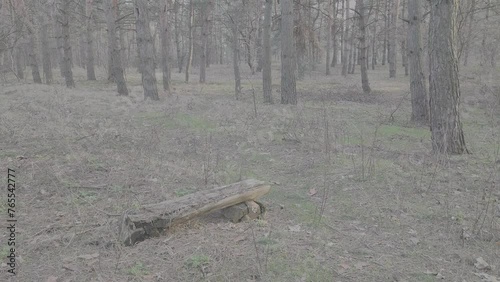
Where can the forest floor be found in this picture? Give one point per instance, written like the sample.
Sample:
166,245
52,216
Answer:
370,202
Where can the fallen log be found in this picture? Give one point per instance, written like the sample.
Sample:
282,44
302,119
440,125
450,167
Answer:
151,220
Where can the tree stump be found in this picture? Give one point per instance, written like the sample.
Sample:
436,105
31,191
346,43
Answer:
152,220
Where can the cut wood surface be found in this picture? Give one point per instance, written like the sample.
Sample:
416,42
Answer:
152,219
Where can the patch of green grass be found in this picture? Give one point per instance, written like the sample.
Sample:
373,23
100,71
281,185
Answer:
137,269
196,261
391,130
183,192
7,154
282,268
266,241
178,121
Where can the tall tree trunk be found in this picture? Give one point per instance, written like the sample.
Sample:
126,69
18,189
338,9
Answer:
90,40
333,31
328,37
18,49
59,40
360,7
114,47
32,54
418,90
205,28
44,36
300,40
165,44
404,51
387,11
145,50
236,60
178,38
191,39
469,32
258,42
64,21
444,88
374,38
345,59
392,38
266,60
288,62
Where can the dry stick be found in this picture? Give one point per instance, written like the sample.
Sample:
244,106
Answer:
391,116
259,266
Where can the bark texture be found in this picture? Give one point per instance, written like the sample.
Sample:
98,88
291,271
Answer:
165,44
418,90
288,62
66,61
266,59
90,41
116,74
392,58
360,7
444,88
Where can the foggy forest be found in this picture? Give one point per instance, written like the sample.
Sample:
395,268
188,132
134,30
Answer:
250,140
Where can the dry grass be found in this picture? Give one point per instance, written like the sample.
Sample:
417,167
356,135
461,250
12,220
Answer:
393,210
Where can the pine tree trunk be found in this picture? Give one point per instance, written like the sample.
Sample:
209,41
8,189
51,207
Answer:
392,38
46,63
236,60
191,39
68,73
145,50
33,61
90,41
206,11
444,88
258,43
165,44
345,59
111,9
266,60
418,90
328,37
374,38
404,51
360,7
386,30
288,62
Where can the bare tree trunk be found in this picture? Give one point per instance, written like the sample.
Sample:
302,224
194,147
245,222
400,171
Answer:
418,90
345,59
90,40
333,31
392,38
386,30
191,28
145,50
178,38
352,53
404,51
360,7
374,38
300,41
64,21
206,14
469,32
236,61
165,44
18,49
444,90
111,9
328,37
44,34
33,61
266,60
258,42
288,62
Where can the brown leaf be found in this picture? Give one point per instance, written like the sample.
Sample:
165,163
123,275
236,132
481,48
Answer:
359,265
312,191
345,266
51,279
90,256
